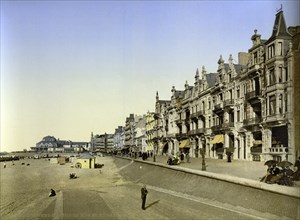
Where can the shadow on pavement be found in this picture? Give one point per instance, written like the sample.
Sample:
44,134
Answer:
151,204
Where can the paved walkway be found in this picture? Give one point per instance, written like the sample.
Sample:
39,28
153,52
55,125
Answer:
238,168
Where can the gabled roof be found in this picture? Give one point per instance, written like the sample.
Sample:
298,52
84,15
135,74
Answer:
164,101
211,78
178,93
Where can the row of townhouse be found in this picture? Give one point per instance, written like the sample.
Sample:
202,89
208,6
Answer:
245,110
102,143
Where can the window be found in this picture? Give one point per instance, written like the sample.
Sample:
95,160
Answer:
255,61
280,104
272,105
280,74
238,116
272,79
286,102
286,74
271,51
280,48
238,93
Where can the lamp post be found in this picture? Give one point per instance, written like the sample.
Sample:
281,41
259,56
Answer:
156,117
202,151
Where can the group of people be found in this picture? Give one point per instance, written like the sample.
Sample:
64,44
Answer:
185,155
175,160
282,175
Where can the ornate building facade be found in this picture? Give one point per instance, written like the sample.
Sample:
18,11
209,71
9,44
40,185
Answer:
243,111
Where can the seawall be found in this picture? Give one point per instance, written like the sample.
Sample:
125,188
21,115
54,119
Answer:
279,200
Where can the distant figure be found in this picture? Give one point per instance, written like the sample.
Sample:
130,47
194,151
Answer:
182,156
144,193
297,164
52,193
187,157
4,165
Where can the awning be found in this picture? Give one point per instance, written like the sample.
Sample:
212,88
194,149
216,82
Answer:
219,138
185,144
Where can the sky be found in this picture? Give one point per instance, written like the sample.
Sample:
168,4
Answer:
69,68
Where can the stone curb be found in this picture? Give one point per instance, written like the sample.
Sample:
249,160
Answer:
283,190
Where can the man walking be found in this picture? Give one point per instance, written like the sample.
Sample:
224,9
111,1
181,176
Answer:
144,193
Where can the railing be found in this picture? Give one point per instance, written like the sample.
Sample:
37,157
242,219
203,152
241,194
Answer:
228,125
181,135
228,102
252,121
200,130
216,127
278,150
197,114
256,149
192,132
197,131
218,106
252,95
276,86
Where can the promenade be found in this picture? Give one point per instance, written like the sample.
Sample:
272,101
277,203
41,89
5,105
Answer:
237,168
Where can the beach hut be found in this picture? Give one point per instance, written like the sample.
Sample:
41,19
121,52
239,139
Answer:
61,160
85,161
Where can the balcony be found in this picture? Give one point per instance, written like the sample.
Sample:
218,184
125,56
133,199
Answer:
275,87
228,103
228,125
196,131
187,120
192,132
253,97
197,114
256,149
178,121
218,107
181,136
252,121
200,130
278,150
216,128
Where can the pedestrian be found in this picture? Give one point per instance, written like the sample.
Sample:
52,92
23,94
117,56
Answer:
52,193
182,156
187,157
144,193
4,165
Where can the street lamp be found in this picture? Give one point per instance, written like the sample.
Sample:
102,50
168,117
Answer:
202,151
156,117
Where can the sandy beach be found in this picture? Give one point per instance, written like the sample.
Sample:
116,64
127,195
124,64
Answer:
26,188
